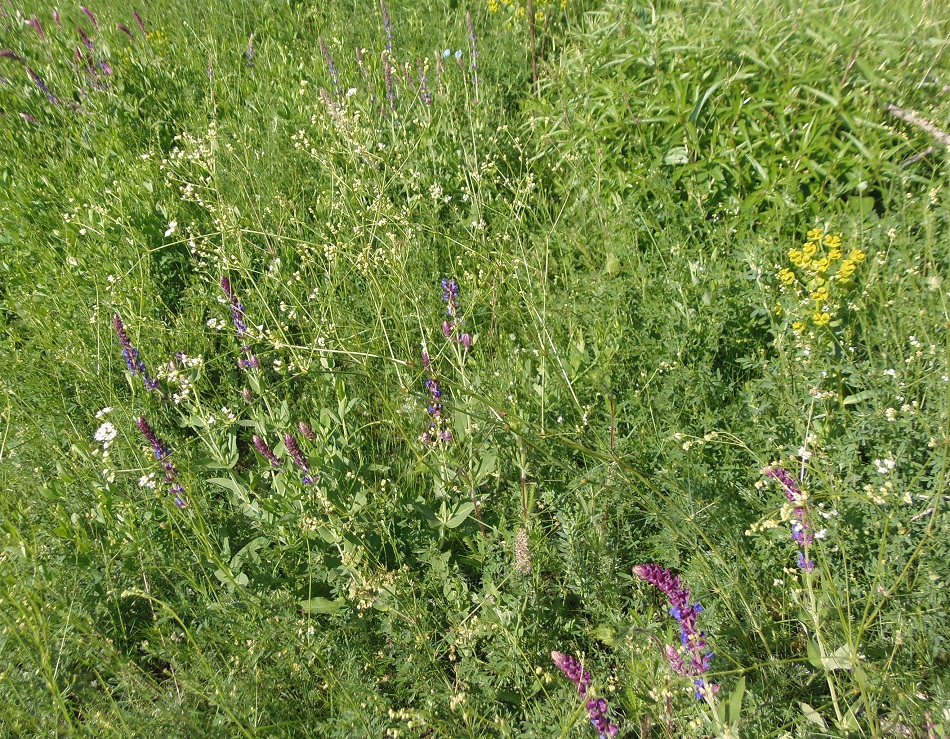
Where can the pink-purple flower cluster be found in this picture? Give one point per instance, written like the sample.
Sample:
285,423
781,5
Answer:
692,658
250,359
133,361
163,454
801,528
451,327
435,431
596,707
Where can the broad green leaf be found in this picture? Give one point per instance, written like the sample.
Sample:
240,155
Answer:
812,715
321,605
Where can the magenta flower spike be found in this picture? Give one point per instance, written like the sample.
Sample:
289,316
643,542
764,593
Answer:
692,658
596,707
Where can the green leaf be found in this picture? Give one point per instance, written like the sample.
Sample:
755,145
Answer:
858,397
321,605
677,155
461,513
812,715
735,701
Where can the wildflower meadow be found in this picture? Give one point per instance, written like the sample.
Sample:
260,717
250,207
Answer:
526,368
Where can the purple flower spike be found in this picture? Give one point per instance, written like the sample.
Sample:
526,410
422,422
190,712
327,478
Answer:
85,39
41,83
138,19
307,431
35,23
387,25
8,54
692,658
158,446
573,670
133,361
84,9
266,451
162,453
56,18
125,29
466,341
296,453
801,528
596,707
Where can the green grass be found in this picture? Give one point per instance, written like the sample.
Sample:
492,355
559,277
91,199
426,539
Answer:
642,346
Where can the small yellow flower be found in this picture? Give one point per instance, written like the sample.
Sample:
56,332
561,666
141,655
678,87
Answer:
795,256
820,295
846,269
821,319
777,310
492,6
806,260
815,234
787,276
798,327
822,264
856,255
539,16
810,248
832,242
835,254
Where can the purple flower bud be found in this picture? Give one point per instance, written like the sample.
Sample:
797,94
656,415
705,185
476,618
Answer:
307,431
56,18
8,54
125,29
138,19
29,119
466,341
425,361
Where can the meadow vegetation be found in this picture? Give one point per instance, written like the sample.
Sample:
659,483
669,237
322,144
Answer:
417,370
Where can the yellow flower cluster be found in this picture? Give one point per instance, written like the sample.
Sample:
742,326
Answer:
824,271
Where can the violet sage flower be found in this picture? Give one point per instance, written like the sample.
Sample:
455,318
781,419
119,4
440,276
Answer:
44,88
237,315
162,454
692,658
423,84
387,25
453,323
133,361
86,41
331,67
596,707
801,528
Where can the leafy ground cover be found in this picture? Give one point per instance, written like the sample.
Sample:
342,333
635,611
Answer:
420,375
